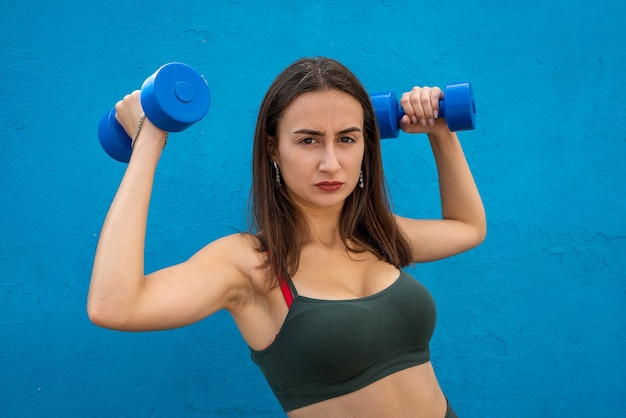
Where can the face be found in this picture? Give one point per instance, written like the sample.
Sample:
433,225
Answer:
319,149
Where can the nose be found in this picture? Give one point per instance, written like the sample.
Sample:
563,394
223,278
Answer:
329,161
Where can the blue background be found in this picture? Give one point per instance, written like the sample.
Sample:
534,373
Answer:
531,323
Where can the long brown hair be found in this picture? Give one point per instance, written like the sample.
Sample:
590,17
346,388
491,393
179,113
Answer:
366,220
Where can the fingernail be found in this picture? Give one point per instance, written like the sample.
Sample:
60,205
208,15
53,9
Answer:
436,112
431,122
423,122
413,119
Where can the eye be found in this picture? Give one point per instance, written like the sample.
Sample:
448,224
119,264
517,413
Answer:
307,141
346,140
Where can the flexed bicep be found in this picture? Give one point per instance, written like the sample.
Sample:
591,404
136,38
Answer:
179,295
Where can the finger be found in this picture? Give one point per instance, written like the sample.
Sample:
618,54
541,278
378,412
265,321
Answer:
408,126
128,109
414,98
405,122
435,96
427,105
405,102
119,108
131,102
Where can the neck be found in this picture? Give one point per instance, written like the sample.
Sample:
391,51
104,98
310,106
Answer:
324,229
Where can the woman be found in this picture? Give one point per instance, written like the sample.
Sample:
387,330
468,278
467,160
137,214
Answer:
317,290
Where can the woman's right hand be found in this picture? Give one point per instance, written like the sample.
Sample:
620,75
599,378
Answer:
128,112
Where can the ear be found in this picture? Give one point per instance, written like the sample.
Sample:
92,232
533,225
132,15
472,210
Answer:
272,148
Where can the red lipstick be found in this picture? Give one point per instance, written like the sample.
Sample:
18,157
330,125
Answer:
329,186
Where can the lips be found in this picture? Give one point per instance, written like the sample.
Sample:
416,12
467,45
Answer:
329,186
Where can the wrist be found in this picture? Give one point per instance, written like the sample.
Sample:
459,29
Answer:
148,134
440,131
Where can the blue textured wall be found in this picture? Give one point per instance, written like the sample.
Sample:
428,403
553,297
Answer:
531,324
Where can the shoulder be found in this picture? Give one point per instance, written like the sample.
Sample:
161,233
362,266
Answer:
236,256
232,247
237,251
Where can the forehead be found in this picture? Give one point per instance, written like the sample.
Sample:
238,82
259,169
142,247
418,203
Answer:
323,107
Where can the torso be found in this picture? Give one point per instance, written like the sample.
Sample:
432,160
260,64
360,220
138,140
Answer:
412,392
335,275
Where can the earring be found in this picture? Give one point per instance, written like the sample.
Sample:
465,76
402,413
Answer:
277,173
361,184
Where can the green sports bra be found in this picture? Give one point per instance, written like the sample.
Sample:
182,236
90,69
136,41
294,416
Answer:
328,348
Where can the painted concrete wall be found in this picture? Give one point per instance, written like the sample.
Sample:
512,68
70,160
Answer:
531,324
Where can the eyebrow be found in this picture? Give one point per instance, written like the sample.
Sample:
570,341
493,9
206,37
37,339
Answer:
318,133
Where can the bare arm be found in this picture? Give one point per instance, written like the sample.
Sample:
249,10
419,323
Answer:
463,223
120,295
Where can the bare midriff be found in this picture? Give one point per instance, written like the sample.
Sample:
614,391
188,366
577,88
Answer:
412,392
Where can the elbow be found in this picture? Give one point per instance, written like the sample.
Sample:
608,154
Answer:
473,238
481,233
476,232
103,315
110,304
98,315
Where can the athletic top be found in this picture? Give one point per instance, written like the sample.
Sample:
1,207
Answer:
328,348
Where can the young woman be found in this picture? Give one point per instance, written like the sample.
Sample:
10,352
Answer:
317,290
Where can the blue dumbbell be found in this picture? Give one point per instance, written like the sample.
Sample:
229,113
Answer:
175,97
457,108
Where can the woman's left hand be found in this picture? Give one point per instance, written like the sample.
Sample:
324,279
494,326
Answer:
421,108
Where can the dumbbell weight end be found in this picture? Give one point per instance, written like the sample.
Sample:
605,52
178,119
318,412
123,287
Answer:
458,107
113,138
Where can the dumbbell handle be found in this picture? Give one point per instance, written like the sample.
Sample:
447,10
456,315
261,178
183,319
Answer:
457,107
173,98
